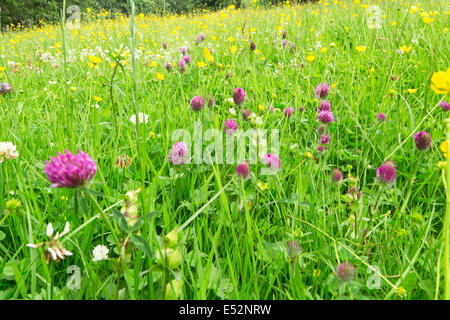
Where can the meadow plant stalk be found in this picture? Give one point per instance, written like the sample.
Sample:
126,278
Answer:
446,233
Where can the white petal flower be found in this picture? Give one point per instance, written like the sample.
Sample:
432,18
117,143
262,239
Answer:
49,231
100,252
8,151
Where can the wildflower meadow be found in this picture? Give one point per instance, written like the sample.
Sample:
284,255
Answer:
296,151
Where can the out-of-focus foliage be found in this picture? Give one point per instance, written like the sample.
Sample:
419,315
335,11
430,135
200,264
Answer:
31,12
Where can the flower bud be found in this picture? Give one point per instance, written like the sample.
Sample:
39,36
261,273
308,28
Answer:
173,289
174,260
321,129
171,239
422,140
293,249
337,176
238,96
345,272
13,205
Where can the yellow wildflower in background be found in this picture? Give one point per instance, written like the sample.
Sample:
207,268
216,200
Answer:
440,82
159,76
361,48
444,148
208,55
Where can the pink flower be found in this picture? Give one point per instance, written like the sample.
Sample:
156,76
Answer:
288,112
324,106
245,114
422,140
239,96
197,103
445,106
381,117
178,154
322,90
243,170
326,117
336,176
70,171
325,139
272,161
386,172
230,126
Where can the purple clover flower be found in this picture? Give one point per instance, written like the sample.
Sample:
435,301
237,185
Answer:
197,103
69,170
243,170
288,112
445,106
239,96
386,173
381,117
272,161
178,154
5,88
324,106
322,90
422,140
325,139
230,126
326,117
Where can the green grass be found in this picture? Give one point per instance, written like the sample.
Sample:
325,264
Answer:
235,245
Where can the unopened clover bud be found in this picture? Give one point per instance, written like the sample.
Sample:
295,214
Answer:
162,254
13,205
173,289
169,257
174,259
293,249
171,239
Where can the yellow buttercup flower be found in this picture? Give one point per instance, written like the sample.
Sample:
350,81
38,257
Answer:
440,82
94,60
233,49
444,148
201,64
361,48
310,58
412,90
159,76
208,55
98,99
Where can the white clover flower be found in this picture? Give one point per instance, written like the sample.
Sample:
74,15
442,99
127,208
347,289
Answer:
8,151
53,248
100,252
143,118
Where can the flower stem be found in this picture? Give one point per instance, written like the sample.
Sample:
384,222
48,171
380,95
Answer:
446,235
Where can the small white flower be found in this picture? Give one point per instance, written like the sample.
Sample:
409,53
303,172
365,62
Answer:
232,111
143,118
8,151
49,230
100,252
53,248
